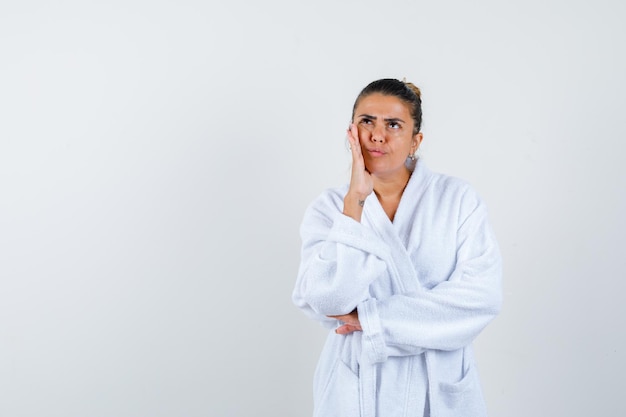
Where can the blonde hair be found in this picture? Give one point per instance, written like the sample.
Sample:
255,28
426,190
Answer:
414,88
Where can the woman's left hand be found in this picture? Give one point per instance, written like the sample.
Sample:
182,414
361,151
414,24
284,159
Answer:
351,323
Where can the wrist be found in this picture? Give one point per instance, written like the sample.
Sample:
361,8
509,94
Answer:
353,205
355,196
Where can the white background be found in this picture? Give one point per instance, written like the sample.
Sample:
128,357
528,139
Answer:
156,158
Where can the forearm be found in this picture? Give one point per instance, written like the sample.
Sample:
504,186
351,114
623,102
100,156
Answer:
447,317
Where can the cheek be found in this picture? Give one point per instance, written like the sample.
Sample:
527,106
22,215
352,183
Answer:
364,132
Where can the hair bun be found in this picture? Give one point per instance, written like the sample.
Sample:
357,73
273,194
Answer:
413,88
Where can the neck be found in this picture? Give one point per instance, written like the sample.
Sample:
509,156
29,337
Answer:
392,186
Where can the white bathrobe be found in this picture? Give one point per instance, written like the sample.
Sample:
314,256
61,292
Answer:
425,285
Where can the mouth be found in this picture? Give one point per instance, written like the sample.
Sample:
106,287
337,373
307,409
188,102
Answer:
376,152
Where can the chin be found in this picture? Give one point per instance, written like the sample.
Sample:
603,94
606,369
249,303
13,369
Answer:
386,171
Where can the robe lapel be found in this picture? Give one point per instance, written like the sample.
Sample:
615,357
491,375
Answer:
397,234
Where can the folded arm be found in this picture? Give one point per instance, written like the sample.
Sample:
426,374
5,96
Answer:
449,315
340,259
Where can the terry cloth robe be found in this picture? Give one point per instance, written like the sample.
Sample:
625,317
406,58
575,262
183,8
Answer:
424,286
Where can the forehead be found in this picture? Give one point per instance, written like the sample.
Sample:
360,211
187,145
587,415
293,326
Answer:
382,105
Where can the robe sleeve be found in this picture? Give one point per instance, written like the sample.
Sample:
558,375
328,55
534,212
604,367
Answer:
451,314
340,258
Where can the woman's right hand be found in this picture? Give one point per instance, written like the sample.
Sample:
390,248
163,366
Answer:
361,181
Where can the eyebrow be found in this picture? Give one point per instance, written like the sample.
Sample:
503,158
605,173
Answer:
391,119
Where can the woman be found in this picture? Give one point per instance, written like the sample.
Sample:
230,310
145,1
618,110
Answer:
403,265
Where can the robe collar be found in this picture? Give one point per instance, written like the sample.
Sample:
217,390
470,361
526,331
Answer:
396,233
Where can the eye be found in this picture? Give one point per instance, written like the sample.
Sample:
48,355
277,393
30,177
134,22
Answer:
394,125
366,121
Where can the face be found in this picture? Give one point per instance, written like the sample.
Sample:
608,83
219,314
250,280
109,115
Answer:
386,134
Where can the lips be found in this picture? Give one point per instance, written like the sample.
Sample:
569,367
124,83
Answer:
376,152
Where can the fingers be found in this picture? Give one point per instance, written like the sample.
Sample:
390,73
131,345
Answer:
351,318
347,329
350,323
353,138
344,317
351,142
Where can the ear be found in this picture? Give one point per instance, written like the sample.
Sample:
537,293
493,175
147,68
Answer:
417,141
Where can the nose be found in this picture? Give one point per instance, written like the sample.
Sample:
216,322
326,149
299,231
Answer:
378,134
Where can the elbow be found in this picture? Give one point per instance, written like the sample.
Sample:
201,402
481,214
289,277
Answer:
491,289
493,303
497,295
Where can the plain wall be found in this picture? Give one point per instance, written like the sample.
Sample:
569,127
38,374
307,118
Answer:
156,158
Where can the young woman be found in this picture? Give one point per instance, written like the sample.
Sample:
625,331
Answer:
402,265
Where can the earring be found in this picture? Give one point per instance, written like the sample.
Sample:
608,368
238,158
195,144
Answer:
411,157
